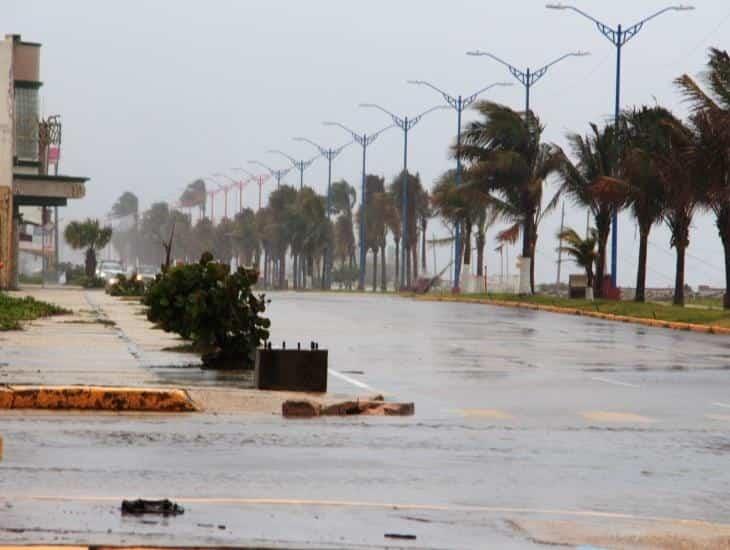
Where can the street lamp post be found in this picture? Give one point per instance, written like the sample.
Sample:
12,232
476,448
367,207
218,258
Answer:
278,175
363,140
528,77
300,165
259,179
405,124
330,155
459,104
618,37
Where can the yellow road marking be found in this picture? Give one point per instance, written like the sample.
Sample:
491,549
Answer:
370,505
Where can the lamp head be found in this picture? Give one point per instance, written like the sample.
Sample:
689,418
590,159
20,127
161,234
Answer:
684,7
557,6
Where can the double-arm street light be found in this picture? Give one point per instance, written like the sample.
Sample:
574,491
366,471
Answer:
260,179
406,124
618,37
278,175
329,154
528,77
235,183
363,140
459,104
212,194
300,165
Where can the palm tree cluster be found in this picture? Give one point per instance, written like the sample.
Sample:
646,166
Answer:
292,225
660,168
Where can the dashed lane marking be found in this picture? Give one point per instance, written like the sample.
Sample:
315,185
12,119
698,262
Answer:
614,382
352,381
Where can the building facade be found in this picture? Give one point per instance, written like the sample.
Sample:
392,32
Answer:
29,145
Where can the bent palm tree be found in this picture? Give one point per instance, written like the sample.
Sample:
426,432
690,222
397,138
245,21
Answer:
89,235
507,159
582,251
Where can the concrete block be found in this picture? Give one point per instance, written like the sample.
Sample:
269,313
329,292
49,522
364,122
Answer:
300,409
291,370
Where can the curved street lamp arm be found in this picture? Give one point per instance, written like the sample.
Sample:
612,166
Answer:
608,32
283,154
307,163
321,149
398,121
355,136
539,73
517,73
472,98
336,152
451,100
416,119
260,164
372,137
632,31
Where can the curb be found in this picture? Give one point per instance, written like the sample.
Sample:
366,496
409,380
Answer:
674,325
96,398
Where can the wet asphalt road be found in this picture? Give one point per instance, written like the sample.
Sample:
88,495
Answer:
518,414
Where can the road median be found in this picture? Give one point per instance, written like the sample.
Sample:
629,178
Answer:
567,310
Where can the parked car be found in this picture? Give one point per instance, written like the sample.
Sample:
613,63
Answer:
147,273
109,271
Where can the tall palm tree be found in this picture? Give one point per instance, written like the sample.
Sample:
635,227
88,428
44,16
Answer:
506,158
642,134
711,118
343,198
88,235
582,251
452,204
375,227
416,195
590,182
683,182
125,240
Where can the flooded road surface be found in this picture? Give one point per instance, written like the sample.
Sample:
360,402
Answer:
522,418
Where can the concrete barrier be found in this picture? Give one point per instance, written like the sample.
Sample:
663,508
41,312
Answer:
96,398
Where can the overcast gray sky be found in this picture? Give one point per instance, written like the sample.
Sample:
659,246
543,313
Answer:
155,94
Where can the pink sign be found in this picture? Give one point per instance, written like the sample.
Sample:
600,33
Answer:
54,153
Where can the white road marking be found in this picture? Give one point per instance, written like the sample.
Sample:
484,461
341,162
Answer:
615,382
352,381
723,405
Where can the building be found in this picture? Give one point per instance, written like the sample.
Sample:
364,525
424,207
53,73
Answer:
29,146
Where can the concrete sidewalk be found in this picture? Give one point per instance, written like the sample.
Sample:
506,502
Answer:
108,342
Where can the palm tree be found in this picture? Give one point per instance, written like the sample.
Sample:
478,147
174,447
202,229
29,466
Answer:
453,206
416,196
683,183
711,117
88,235
125,241
486,218
195,194
374,220
247,238
582,251
642,135
506,158
590,183
343,197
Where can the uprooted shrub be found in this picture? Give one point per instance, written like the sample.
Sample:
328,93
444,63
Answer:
214,308
127,286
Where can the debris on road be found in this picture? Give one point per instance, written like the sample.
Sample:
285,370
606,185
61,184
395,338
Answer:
161,507
303,408
399,536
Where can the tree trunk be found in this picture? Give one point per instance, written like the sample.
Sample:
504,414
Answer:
295,271
603,234
383,270
266,267
397,265
528,248
679,278
375,269
467,245
481,243
424,226
641,270
282,271
407,267
90,263
723,228
415,262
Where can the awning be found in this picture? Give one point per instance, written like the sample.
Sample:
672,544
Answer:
47,190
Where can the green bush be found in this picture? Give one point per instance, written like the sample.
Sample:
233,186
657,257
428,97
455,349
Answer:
345,275
34,279
127,286
88,282
213,307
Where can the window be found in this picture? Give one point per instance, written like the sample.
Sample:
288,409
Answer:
26,123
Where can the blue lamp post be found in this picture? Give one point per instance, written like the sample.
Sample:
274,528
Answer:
405,124
330,155
528,77
300,165
459,104
278,175
363,140
618,37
